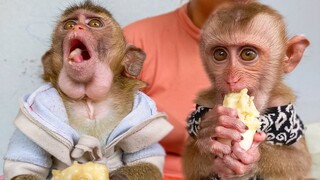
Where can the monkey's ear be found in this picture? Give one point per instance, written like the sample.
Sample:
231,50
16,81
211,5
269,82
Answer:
133,60
296,48
47,67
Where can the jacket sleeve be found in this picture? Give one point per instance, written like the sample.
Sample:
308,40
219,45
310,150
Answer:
153,154
25,157
143,144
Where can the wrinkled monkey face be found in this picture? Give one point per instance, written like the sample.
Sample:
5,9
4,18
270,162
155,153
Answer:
85,41
88,51
247,56
81,44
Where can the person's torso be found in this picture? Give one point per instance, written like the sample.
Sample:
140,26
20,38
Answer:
172,70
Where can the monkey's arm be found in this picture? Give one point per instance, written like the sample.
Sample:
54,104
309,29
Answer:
285,162
24,157
20,170
140,171
191,157
26,177
202,157
145,164
239,165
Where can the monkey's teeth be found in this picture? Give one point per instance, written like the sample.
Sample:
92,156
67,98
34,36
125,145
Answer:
70,62
76,55
75,52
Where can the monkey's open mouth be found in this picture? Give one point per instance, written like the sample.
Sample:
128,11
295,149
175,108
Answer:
78,52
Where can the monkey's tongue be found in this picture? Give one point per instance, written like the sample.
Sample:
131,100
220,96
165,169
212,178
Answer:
76,55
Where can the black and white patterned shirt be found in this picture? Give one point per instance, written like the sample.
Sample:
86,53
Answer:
281,124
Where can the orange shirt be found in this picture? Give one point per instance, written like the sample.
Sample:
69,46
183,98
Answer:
174,74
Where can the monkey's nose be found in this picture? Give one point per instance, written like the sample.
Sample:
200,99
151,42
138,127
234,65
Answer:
77,27
232,82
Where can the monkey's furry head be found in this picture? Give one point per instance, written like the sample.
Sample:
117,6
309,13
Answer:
87,5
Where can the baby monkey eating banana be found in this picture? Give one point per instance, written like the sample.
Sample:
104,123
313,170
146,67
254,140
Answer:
246,52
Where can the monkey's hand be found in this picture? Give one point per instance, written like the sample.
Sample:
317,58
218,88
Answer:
216,157
141,171
219,123
240,164
202,152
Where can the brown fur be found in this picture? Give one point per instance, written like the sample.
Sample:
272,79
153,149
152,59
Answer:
26,177
138,172
265,79
122,59
284,162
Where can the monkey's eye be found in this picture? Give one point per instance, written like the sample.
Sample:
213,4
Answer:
95,23
248,54
220,54
69,24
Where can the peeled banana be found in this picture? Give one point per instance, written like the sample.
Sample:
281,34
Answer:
87,171
247,112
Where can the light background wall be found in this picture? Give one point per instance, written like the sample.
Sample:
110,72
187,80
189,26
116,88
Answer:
26,26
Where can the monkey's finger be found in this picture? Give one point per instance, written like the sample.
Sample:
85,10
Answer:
219,148
226,111
246,157
212,146
207,122
259,137
254,145
236,166
204,145
221,169
226,133
232,123
205,132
